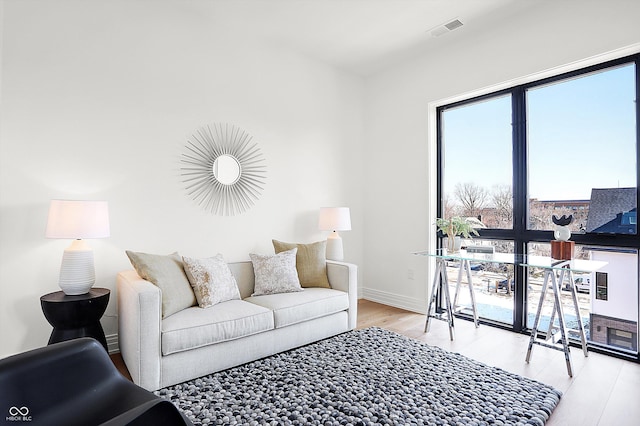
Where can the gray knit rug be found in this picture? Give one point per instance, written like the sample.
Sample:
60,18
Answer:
364,377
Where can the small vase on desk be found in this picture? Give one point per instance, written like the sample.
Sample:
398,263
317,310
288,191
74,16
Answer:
452,244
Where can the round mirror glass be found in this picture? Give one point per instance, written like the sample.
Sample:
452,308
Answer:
226,169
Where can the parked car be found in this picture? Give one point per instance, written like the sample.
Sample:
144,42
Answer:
477,267
502,285
582,284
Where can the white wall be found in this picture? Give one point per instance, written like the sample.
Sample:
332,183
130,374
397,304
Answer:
399,103
98,100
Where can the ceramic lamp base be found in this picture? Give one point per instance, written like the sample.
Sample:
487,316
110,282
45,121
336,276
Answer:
334,247
77,273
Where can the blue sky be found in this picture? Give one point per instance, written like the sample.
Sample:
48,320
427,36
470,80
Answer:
581,135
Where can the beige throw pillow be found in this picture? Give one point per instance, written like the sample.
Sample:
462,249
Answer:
167,272
275,273
211,279
311,262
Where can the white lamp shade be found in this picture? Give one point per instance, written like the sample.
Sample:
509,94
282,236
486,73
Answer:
78,219
334,219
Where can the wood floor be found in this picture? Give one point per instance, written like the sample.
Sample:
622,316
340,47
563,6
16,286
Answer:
604,391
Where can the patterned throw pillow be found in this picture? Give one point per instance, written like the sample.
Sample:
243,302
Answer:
311,262
211,279
167,272
275,273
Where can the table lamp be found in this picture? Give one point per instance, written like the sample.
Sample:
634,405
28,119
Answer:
77,220
334,219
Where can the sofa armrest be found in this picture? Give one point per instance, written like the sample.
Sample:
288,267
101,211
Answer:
344,277
139,324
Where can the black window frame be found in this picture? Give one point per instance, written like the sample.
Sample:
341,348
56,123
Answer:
520,234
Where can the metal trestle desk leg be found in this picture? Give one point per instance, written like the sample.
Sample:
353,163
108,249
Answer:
552,340
440,287
466,266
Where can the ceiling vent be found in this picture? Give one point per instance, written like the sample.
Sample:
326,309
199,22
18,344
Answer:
445,28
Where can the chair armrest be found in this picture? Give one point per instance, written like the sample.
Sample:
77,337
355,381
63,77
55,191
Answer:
154,412
139,324
344,277
69,383
48,377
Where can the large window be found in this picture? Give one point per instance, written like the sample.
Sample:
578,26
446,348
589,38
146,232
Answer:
478,174
581,139
566,145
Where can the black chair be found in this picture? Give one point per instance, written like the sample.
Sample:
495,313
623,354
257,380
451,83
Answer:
76,383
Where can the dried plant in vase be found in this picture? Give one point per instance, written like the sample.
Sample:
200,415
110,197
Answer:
455,228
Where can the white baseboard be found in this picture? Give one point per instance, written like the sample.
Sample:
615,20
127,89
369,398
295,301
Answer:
397,301
112,343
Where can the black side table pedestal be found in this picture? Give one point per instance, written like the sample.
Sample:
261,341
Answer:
76,316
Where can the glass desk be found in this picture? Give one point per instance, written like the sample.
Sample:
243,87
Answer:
555,274
440,285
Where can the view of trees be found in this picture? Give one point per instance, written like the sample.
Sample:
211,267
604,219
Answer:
494,207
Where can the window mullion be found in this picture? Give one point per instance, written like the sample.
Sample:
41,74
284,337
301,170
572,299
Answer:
520,213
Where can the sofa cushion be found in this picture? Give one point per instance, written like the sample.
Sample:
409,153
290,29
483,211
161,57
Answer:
194,327
275,273
311,262
293,308
167,272
211,279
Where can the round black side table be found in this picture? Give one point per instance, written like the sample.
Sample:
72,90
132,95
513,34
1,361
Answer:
76,316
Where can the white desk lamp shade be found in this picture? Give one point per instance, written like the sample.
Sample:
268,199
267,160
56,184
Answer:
77,220
334,219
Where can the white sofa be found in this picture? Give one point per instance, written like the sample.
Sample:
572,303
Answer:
195,342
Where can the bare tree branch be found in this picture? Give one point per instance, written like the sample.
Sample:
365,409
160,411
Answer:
472,197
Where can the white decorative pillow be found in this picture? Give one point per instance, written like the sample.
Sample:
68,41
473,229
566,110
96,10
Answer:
211,279
276,273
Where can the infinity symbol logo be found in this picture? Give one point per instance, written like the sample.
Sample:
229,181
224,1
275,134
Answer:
14,411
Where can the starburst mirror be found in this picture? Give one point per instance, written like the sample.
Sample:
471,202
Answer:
222,169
